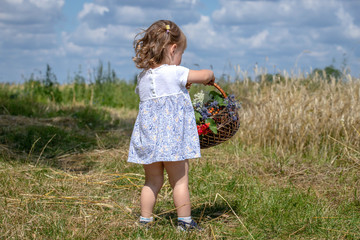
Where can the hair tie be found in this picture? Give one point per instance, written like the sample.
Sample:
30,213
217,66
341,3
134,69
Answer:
167,28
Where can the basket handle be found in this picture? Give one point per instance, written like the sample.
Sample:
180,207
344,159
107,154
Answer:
220,89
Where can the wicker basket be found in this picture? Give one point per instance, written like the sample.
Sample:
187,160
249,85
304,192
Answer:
226,126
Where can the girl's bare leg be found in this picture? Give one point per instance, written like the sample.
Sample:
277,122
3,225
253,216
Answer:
154,179
179,181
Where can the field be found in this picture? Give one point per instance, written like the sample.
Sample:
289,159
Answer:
291,171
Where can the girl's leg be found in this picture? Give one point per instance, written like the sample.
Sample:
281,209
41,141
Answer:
179,181
154,179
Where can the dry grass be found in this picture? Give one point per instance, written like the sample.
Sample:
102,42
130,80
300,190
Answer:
230,193
305,116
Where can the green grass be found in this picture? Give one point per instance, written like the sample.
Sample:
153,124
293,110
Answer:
35,138
64,175
43,202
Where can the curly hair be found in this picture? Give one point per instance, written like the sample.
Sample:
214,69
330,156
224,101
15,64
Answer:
151,44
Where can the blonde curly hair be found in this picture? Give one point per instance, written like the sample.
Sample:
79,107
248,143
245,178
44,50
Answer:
151,44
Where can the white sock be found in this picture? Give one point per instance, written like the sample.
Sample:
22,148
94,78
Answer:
185,219
144,219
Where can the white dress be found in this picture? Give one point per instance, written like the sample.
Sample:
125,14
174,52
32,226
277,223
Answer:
165,128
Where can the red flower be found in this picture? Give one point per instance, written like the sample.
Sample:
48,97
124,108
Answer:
203,129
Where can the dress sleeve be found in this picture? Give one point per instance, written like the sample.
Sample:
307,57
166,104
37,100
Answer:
182,75
137,89
138,79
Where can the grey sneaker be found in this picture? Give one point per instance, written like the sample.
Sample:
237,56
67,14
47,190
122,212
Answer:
145,225
184,226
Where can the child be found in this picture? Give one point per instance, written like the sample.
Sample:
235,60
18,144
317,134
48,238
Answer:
165,134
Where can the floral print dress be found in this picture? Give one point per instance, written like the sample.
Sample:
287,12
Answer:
165,128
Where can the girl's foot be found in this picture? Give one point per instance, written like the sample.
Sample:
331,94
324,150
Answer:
185,226
145,222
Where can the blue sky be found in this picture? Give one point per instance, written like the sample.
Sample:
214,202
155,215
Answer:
273,36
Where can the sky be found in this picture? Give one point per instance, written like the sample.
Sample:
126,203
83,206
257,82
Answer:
230,36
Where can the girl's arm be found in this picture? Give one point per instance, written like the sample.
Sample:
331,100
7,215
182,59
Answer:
204,76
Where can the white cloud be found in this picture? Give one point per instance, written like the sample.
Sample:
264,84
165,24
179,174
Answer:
131,14
15,1
240,32
272,13
91,8
48,4
191,2
110,26
28,38
28,26
259,39
91,36
30,13
350,29
144,12
312,5
203,35
110,35
318,54
289,25
239,12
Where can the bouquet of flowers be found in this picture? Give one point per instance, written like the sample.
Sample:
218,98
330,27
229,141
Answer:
216,116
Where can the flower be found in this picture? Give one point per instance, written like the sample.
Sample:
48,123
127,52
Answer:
198,100
206,111
203,129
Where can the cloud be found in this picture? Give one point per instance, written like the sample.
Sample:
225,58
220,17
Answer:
15,1
159,4
350,29
47,4
30,12
273,32
203,35
90,8
259,39
108,25
29,24
28,35
107,36
276,13
143,12
287,27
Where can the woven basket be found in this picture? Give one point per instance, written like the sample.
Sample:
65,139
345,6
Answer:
226,126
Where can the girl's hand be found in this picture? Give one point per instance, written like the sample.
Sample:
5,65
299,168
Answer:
211,82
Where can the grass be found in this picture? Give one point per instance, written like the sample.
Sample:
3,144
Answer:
291,172
44,202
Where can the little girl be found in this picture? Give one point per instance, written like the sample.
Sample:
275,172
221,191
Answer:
165,134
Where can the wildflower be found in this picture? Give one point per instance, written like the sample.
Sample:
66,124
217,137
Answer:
203,129
198,100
